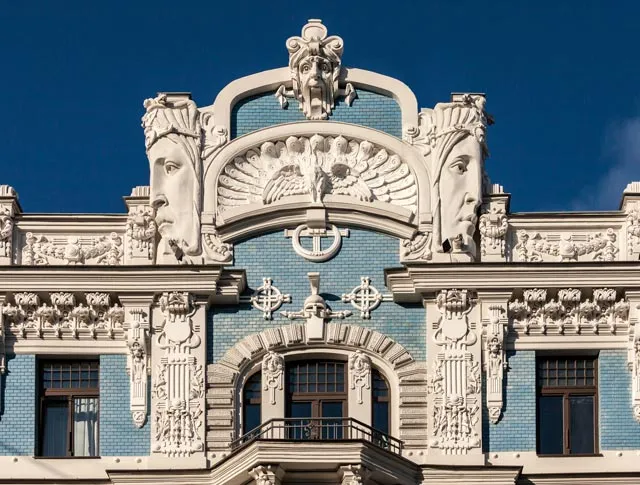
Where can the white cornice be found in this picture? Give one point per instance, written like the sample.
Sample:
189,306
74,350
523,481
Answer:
409,283
212,281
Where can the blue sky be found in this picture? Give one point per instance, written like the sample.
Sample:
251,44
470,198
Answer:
562,80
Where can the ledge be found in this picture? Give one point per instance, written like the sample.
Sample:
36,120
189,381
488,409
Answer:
411,283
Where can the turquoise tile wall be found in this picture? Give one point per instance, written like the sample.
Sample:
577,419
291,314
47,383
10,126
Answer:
369,109
364,253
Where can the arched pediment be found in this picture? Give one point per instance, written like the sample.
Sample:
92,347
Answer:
317,164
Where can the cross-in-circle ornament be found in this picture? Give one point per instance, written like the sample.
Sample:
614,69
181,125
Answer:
364,298
316,254
267,298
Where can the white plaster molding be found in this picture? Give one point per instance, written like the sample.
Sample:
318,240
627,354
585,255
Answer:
267,298
493,227
178,383
495,362
417,249
316,166
571,312
141,234
315,64
270,80
354,474
316,254
364,298
64,317
215,251
315,310
272,375
9,210
138,362
535,247
455,381
40,249
633,351
267,475
402,161
360,374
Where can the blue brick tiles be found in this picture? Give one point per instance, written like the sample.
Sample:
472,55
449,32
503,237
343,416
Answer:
618,429
516,431
118,434
364,253
369,109
18,412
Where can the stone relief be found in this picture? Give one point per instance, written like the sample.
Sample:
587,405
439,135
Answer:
141,230
267,298
6,232
64,317
137,363
173,140
272,374
317,253
314,167
535,247
571,312
633,362
452,139
360,372
315,63
364,298
495,362
40,250
456,409
493,230
633,232
179,381
418,249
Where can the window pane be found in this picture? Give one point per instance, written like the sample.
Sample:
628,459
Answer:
299,429
550,423
251,417
54,428
300,409
85,426
331,428
381,416
581,429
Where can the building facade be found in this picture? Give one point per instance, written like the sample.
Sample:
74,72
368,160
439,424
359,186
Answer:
320,285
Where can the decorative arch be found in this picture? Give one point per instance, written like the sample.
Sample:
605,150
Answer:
362,176
406,377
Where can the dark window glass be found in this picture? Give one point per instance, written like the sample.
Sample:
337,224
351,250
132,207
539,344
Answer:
567,396
550,426
380,397
251,400
581,410
69,403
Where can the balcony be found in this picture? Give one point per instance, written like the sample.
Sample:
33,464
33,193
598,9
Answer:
315,429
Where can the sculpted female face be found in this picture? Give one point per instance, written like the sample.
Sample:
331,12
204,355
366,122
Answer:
173,192
461,189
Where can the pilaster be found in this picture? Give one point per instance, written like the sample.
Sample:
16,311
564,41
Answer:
454,382
494,224
273,396
178,357
359,382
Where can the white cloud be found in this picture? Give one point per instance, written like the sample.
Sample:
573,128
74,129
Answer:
623,148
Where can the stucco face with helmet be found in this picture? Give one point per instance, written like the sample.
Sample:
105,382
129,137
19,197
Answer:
173,140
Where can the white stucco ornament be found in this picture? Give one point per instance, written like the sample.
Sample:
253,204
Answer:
267,298
315,63
364,298
272,374
360,369
316,166
317,253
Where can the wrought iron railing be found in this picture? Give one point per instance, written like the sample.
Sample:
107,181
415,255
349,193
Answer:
319,429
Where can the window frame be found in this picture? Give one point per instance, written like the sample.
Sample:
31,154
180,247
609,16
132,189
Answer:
316,398
567,392
67,395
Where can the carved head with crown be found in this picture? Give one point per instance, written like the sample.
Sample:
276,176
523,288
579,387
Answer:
314,61
173,140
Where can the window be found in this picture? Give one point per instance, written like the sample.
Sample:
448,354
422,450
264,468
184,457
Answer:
316,391
252,396
69,391
567,405
380,398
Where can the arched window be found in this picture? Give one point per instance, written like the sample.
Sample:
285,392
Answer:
380,401
251,398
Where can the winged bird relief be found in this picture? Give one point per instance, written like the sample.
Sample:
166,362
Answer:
316,166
